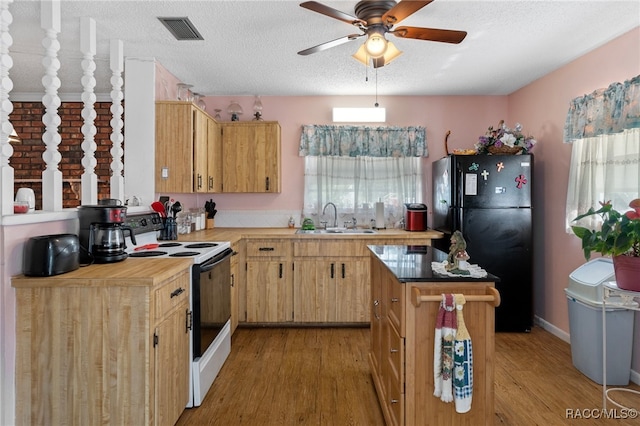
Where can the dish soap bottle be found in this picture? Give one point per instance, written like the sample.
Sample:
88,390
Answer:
292,222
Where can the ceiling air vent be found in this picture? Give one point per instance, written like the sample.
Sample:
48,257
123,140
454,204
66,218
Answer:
181,28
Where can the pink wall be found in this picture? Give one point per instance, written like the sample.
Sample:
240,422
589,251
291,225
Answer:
466,116
542,106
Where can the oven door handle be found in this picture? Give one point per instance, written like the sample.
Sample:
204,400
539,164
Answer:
211,263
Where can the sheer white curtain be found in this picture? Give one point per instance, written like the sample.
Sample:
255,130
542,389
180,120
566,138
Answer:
355,184
603,168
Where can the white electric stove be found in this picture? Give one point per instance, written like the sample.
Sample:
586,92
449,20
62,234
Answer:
210,296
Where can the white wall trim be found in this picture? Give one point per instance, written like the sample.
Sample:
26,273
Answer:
563,335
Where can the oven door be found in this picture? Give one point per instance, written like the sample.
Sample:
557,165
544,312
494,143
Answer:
211,294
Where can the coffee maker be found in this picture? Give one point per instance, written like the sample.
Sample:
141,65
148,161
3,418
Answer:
102,233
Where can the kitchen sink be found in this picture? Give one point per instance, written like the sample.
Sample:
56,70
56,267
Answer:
336,231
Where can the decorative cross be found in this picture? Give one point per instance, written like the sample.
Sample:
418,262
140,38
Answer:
500,166
521,181
485,174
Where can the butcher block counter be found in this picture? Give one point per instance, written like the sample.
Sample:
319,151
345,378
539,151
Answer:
406,295
284,277
236,234
104,344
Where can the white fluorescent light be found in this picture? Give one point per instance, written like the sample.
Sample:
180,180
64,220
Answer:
359,115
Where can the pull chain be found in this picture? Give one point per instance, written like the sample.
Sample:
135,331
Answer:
376,104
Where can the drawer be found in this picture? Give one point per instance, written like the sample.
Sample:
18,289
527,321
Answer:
395,402
268,248
170,295
395,357
329,248
395,305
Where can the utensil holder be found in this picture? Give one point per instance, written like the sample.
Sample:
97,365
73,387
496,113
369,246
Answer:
210,223
170,230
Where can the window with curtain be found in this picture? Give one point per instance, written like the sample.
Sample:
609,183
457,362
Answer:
354,167
604,128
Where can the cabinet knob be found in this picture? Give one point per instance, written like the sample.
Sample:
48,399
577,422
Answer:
394,401
393,351
394,299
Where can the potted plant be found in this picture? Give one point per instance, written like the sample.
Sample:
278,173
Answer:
618,237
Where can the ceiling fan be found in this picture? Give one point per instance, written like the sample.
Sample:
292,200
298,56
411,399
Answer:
375,18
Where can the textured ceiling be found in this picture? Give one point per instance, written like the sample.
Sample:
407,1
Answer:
250,47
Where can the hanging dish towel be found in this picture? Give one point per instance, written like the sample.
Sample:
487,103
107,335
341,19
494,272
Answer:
446,325
462,361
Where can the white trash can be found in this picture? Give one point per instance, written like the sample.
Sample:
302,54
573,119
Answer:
584,296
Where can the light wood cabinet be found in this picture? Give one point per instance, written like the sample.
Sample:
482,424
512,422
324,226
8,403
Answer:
269,290
330,288
99,345
401,356
251,156
235,286
188,150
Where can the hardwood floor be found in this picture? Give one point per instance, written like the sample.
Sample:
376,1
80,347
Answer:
320,376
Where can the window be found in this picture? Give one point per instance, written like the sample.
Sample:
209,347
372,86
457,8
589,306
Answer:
603,168
355,184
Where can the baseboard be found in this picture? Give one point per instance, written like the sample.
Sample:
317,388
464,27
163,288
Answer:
563,335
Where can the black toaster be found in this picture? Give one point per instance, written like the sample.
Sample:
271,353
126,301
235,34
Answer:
48,255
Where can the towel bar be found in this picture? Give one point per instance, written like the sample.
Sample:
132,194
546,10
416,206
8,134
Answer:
492,297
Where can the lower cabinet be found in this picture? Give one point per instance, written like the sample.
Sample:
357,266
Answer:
235,286
308,280
330,290
269,289
96,350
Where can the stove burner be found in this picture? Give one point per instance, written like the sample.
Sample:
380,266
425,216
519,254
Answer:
184,254
200,245
170,245
152,253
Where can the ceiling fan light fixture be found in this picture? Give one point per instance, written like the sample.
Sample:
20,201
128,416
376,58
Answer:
365,59
391,53
376,44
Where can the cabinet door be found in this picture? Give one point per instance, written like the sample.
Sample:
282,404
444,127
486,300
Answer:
352,290
200,155
172,366
234,290
174,147
269,292
214,157
251,157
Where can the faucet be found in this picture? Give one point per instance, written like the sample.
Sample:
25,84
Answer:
335,213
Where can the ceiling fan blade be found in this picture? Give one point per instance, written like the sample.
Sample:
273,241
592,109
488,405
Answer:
431,34
329,44
403,9
331,12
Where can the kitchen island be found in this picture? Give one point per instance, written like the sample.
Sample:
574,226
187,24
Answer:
406,294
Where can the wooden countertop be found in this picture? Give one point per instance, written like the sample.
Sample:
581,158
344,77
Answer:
129,272
235,234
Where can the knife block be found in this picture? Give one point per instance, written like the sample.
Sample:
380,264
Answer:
210,223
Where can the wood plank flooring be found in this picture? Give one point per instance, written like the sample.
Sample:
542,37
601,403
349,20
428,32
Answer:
320,376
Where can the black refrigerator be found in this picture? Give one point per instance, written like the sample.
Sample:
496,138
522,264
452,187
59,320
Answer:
488,198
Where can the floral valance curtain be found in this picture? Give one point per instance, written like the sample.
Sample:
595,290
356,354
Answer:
604,111
355,141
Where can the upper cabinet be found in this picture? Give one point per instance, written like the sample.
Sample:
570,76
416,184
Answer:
187,147
194,153
251,156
